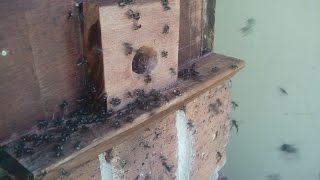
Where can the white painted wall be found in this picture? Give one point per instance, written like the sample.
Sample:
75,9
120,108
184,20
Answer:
281,49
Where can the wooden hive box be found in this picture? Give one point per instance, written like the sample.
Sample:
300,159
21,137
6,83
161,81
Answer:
149,28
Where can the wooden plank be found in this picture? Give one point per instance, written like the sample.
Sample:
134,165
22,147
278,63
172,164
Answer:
102,137
40,70
190,43
20,93
208,21
149,40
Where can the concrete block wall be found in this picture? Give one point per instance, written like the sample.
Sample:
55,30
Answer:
188,144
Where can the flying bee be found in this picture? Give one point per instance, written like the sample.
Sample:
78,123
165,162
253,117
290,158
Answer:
234,105
234,123
283,91
288,148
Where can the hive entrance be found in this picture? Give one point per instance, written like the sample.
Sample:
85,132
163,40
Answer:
145,60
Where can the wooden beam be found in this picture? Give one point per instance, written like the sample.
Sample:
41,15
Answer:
213,68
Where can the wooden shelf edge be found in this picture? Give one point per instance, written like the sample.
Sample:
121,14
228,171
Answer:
104,138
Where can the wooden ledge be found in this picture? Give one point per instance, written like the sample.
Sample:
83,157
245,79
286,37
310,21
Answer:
213,68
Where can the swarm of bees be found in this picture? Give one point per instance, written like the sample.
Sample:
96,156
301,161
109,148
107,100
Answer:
189,73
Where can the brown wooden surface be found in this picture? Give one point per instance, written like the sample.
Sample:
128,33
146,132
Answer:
44,47
117,29
103,137
190,43
40,69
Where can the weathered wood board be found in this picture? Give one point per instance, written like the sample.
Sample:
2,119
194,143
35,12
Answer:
150,41
103,136
40,68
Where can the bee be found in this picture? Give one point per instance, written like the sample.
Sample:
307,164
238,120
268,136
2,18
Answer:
288,148
42,124
233,66
164,54
77,146
117,124
234,105
148,79
123,3
129,95
58,150
128,48
165,4
133,15
177,92
172,71
218,156
215,69
82,62
64,172
129,119
136,26
166,29
165,164
190,124
234,123
283,91
63,105
115,101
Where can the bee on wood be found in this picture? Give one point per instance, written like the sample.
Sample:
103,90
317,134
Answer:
177,92
164,54
123,3
165,164
148,79
190,124
215,69
64,172
115,101
117,124
233,66
166,29
136,26
128,48
218,156
82,62
58,150
63,105
234,123
77,146
42,124
129,95
165,4
172,71
133,15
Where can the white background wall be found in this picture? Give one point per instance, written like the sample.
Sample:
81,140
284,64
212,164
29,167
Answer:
281,49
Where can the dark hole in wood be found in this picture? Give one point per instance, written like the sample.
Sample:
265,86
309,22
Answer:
145,60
